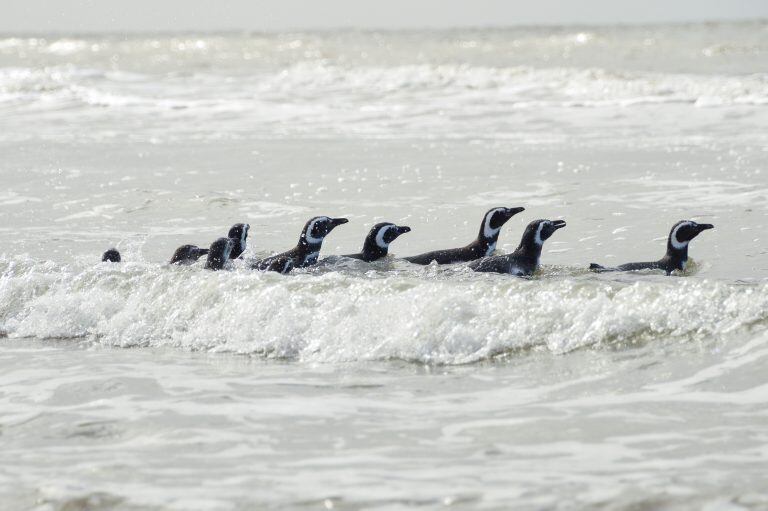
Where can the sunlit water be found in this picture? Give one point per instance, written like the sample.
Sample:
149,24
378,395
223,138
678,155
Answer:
388,386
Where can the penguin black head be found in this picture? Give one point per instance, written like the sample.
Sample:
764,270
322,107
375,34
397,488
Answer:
111,256
538,232
238,233
317,228
494,220
187,254
219,253
380,236
683,232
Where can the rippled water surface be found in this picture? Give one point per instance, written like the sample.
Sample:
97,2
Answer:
383,386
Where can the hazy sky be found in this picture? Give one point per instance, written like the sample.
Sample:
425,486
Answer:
117,15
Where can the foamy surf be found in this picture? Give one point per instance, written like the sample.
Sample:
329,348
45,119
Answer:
347,316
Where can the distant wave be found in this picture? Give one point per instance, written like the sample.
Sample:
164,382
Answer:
315,98
463,86
343,316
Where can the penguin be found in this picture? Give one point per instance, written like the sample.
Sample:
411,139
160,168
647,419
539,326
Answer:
218,254
676,257
305,253
280,265
377,242
187,254
524,261
483,246
111,256
238,233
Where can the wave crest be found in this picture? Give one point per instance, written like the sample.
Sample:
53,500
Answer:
346,316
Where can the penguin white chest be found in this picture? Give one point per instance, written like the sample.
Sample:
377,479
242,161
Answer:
491,249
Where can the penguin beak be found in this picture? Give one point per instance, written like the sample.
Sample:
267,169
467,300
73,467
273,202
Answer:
513,211
402,229
202,251
558,224
704,227
338,221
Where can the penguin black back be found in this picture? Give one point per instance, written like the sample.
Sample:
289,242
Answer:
239,234
307,250
279,264
187,254
676,256
484,245
218,254
111,256
377,242
526,258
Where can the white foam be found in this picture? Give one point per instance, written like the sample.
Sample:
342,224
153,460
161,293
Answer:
338,317
392,100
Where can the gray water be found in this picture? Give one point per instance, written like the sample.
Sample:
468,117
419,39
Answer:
384,386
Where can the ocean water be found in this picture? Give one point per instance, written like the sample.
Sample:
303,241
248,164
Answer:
383,386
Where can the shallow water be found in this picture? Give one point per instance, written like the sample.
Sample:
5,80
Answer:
385,386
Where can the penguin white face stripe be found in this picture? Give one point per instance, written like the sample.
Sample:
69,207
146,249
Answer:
311,227
243,235
679,245
380,236
488,231
537,238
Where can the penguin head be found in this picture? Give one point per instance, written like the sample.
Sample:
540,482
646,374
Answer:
239,232
381,235
683,232
317,228
494,220
539,231
218,254
186,254
111,256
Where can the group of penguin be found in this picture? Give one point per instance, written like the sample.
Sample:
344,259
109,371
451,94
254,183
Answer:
524,261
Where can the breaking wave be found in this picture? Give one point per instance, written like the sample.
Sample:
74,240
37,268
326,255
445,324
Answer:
354,315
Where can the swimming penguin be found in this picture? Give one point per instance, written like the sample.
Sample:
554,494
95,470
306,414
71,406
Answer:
238,233
483,246
280,265
677,250
305,253
187,254
524,260
218,254
377,242
111,256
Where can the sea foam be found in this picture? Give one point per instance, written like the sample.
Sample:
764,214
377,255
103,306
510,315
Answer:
347,315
